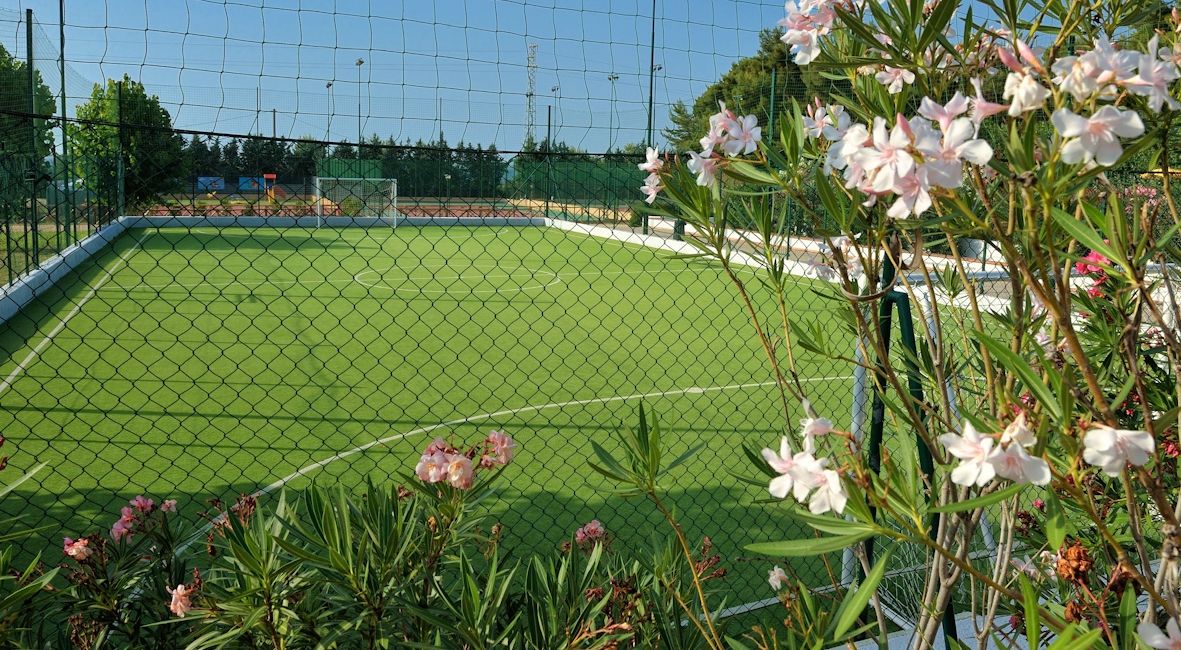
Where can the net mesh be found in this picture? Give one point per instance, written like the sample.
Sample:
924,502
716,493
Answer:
191,342
353,197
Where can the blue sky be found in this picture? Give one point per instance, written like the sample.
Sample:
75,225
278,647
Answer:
223,65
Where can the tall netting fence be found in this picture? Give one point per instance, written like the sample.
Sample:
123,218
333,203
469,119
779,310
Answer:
244,251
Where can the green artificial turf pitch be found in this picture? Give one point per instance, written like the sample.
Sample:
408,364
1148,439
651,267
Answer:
208,363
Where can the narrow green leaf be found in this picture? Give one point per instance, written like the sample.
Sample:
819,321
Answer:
1029,601
1055,521
1022,369
981,501
833,525
807,547
1083,233
747,172
1128,615
856,600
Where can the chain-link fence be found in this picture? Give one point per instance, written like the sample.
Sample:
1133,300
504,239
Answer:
193,310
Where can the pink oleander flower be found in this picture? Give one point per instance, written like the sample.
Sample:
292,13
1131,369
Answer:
944,114
77,549
777,578
889,158
1073,75
983,109
1024,92
1153,79
590,533
120,529
717,136
654,163
1110,65
1029,56
784,463
437,445
894,78
744,133
1097,138
432,467
1111,450
1154,637
914,194
1018,432
705,165
459,471
811,428
829,122
502,445
946,151
143,504
1092,262
169,505
181,603
974,452
805,23
651,188
1096,288
1015,464
828,495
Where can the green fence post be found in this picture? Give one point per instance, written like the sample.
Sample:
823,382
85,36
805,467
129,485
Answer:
71,231
549,156
120,196
31,173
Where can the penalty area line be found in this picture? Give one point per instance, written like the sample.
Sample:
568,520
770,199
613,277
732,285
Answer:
304,471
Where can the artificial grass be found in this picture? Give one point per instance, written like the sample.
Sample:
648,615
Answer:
210,363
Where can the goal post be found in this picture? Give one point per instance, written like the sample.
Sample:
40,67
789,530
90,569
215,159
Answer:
356,198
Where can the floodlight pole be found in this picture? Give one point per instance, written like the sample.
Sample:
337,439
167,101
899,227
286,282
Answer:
611,114
31,172
328,133
360,62
652,96
651,77
71,232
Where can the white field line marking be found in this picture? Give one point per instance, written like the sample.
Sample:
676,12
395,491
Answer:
694,390
258,283
36,351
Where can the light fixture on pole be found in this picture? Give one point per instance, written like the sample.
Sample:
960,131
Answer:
328,133
556,90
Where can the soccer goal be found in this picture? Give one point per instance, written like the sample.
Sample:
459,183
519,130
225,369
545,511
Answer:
357,198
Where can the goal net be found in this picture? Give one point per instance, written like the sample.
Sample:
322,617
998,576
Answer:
357,198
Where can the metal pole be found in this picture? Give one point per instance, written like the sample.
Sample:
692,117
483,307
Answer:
360,62
651,89
274,131
120,190
72,231
611,115
771,111
328,132
549,156
31,173
651,75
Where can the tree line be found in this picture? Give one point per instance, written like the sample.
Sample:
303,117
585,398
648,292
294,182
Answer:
422,168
